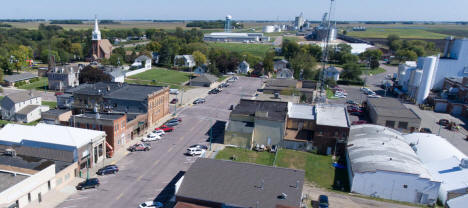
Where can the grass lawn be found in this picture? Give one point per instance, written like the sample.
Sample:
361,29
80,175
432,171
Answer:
161,75
51,104
372,71
253,48
42,84
222,78
244,155
330,94
318,168
383,32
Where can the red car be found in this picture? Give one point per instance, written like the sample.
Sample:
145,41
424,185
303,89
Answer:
358,122
354,109
165,128
174,101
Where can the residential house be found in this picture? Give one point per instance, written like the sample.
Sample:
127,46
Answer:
184,61
381,164
117,74
54,142
253,122
284,73
332,73
22,107
63,77
222,183
390,112
25,180
300,127
114,124
10,80
199,70
280,64
142,62
243,68
204,80
57,117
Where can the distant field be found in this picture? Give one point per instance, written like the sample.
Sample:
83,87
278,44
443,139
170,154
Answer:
255,49
402,32
160,76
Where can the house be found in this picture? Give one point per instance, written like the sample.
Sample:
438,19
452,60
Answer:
155,57
222,183
332,126
117,74
11,80
114,124
142,62
63,77
22,107
332,73
446,164
54,142
300,126
284,73
144,105
101,48
390,112
57,117
184,61
204,80
253,122
243,68
25,180
381,164
280,64
199,70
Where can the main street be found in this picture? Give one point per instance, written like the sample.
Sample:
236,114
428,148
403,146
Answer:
144,175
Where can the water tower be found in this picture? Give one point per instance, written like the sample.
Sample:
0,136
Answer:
227,26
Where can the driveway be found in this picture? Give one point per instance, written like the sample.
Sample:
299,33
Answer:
150,175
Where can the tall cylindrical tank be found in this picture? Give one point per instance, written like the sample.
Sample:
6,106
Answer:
269,29
429,65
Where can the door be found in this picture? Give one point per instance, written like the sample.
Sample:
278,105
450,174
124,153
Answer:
39,197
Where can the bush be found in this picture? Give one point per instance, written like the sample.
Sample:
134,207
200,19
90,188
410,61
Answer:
350,82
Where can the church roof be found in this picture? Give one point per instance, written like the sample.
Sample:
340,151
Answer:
106,46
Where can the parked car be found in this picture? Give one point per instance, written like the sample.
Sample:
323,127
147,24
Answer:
165,128
172,123
199,100
139,147
151,137
174,91
374,96
323,201
159,132
151,204
351,109
274,148
358,122
193,151
179,119
259,148
230,73
340,95
199,146
108,169
214,91
89,183
365,89
425,130
443,122
174,101
351,102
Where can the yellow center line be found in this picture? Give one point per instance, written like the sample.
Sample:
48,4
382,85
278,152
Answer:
139,178
120,196
156,162
170,149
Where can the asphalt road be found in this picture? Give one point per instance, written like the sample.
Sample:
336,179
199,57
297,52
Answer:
146,176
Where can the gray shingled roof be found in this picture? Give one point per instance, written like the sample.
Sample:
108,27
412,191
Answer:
27,109
19,77
281,83
391,107
21,96
133,92
277,111
205,78
241,184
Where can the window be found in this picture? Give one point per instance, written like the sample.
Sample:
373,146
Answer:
402,125
100,150
405,186
390,124
29,197
48,185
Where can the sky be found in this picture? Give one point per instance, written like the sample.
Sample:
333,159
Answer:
351,10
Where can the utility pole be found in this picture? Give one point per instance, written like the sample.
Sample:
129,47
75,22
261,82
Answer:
325,53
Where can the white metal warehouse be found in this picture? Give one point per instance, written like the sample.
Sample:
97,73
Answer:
381,164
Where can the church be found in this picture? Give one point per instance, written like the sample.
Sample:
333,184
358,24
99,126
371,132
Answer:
101,48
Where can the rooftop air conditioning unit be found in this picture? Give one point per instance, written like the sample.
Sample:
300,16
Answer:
464,163
10,152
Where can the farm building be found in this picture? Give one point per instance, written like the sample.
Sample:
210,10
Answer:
381,164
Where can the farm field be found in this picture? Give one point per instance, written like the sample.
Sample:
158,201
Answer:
406,33
254,49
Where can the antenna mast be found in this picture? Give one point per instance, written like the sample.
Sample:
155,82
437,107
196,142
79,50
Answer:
325,52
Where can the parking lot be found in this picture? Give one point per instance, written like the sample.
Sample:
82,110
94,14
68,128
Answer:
146,176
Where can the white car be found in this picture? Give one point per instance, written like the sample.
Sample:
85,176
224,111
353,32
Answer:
341,93
340,96
174,91
151,137
365,89
374,96
159,132
230,73
193,151
151,204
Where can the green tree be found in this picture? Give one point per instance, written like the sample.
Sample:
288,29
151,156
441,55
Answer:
289,48
302,62
372,56
348,58
351,72
403,55
268,62
153,46
199,58
20,56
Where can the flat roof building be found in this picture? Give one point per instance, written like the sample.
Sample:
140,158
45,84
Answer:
235,37
221,183
381,164
390,112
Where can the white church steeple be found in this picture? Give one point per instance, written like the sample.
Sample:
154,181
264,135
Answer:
96,32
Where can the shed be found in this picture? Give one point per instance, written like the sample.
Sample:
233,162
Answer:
204,80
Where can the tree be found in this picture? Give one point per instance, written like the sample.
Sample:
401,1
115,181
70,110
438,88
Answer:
268,63
349,58
289,48
403,55
20,56
302,61
153,46
199,58
212,69
90,74
351,72
372,56
77,50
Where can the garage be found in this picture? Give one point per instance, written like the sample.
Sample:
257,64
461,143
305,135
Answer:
440,107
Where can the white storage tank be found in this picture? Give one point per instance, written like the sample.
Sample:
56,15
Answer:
428,66
269,29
